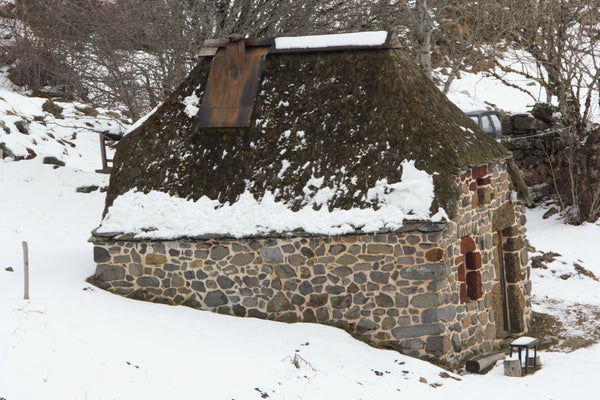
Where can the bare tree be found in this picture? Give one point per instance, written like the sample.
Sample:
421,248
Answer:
561,38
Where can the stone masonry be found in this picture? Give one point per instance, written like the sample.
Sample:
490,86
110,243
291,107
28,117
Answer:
432,291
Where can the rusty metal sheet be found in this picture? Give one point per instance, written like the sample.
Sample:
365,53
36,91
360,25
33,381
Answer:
232,86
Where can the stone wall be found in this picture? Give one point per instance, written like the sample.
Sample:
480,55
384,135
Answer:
428,292
539,155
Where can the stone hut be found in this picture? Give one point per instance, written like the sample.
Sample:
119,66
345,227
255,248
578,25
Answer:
320,179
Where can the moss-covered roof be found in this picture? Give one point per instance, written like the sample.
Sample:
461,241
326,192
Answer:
351,117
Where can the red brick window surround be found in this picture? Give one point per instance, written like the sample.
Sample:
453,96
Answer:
479,183
469,270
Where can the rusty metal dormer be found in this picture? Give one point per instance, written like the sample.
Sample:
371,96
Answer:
232,85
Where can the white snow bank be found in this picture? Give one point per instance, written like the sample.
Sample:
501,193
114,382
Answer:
157,215
26,130
480,91
376,38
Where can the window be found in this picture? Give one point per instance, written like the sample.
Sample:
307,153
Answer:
486,124
496,122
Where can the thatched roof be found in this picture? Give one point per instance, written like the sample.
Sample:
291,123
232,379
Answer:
350,116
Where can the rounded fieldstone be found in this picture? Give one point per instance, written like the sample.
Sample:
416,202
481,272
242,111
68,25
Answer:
353,313
306,252
215,298
383,300
224,282
289,317
352,288
101,255
360,298
250,281
308,315
135,269
334,289
198,286
279,303
319,269
365,325
342,271
250,301
177,280
322,314
106,272
388,323
276,284
336,249
341,301
379,277
254,313
242,259
346,259
318,280
317,300
296,260
201,275
285,271
400,300
305,288
288,248
171,267
148,281
239,310
219,252
298,300
360,278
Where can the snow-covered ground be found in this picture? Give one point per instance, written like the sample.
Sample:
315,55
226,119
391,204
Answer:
74,341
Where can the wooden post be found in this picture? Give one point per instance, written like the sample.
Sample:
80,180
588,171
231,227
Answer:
26,269
103,152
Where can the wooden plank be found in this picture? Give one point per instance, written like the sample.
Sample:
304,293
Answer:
208,51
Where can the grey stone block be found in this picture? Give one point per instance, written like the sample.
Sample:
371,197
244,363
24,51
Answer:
445,314
417,330
215,298
148,281
436,271
107,272
272,255
101,255
425,300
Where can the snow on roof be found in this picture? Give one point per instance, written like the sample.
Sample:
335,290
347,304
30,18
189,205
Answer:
376,38
158,215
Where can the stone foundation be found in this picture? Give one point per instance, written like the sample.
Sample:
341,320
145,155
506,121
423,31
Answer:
429,292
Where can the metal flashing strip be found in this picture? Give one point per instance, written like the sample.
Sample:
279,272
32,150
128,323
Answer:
211,46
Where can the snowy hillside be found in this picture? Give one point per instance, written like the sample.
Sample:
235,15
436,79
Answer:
74,341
